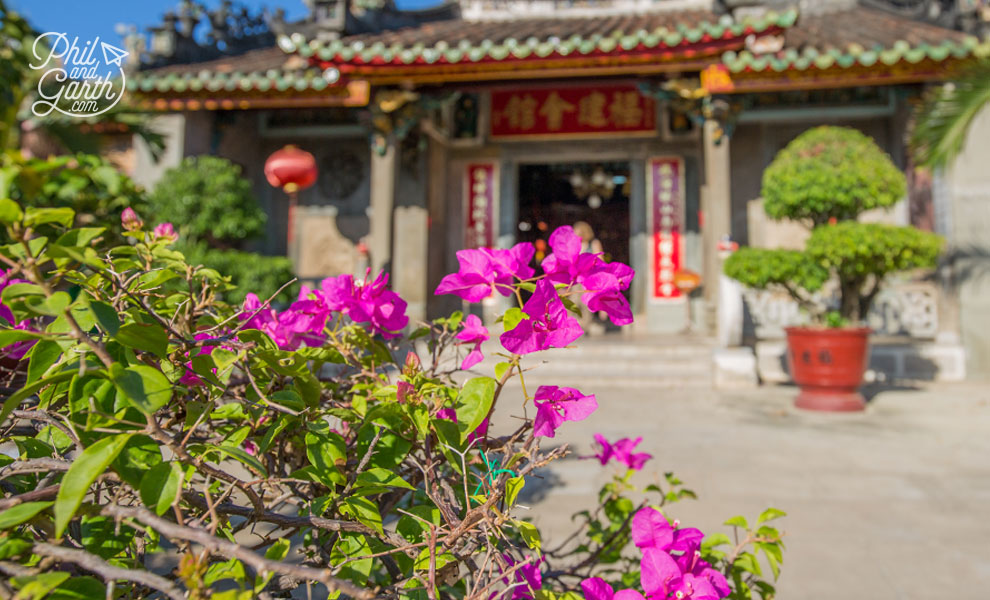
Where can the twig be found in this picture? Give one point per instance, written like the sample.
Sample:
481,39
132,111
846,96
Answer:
109,572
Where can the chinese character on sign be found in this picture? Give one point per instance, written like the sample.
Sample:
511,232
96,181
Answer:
480,188
666,197
591,110
520,112
553,110
625,110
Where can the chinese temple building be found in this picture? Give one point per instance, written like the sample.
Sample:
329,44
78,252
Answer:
487,122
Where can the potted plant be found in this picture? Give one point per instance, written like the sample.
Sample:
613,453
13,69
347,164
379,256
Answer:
826,178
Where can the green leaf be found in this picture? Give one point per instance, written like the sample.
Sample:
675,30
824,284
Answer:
160,486
21,513
12,336
423,560
106,316
44,354
769,515
230,569
29,390
39,216
501,368
737,521
276,552
512,488
10,212
530,534
473,404
84,470
747,562
237,454
149,337
36,587
139,456
79,588
52,306
364,510
512,318
145,387
381,478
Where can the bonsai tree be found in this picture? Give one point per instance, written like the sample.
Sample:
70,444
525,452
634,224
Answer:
216,214
826,178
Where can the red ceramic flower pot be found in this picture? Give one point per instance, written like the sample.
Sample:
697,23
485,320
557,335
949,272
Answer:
828,366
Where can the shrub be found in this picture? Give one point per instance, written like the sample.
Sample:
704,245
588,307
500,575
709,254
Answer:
827,176
208,199
264,451
830,173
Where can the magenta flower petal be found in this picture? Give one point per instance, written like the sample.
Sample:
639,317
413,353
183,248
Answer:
659,573
650,529
547,420
596,588
549,324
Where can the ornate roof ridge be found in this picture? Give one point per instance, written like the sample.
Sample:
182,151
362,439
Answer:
365,49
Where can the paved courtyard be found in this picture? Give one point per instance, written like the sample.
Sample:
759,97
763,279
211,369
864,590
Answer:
891,504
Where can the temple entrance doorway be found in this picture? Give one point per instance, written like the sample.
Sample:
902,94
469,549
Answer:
556,194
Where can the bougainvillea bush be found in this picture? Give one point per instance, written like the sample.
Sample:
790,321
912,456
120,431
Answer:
158,443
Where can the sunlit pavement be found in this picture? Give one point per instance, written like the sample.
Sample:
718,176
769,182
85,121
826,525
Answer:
893,503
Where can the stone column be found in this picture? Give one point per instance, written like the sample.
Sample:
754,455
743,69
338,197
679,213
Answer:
716,207
384,174
410,236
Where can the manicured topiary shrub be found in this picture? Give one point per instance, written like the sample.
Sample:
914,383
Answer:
208,198
830,173
828,176
215,214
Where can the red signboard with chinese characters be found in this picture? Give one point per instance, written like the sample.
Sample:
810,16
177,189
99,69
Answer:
572,112
481,185
665,185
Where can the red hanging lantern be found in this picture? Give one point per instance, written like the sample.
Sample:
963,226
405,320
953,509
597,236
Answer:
291,169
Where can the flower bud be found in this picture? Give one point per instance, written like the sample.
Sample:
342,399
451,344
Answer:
130,220
165,231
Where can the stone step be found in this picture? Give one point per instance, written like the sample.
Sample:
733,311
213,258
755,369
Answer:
609,368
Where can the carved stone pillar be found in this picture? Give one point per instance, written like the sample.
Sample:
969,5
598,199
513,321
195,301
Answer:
384,174
716,207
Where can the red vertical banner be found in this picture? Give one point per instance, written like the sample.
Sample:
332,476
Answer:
665,189
481,192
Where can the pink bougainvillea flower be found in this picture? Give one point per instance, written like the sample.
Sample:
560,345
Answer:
189,377
17,350
484,271
250,447
549,324
302,323
659,573
510,264
554,405
166,232
527,575
699,580
567,264
474,332
403,391
622,451
596,588
650,529
337,293
380,307
130,220
479,432
474,280
603,292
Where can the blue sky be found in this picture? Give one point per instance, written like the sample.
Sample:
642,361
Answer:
90,18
